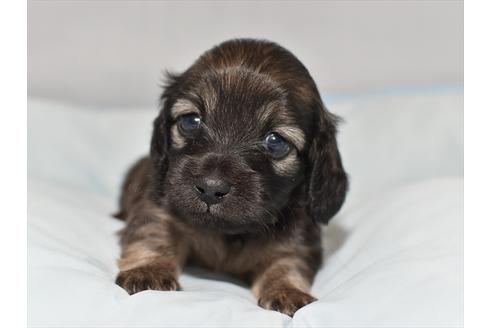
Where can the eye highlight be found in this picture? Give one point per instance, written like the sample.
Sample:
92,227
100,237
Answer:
277,146
189,123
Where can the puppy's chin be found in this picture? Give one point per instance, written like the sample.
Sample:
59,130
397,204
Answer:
213,219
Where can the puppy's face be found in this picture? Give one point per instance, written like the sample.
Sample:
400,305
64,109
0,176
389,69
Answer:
232,147
235,152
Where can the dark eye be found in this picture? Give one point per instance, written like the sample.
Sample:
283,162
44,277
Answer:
276,145
189,122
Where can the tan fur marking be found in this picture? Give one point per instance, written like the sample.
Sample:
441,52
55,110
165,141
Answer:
296,278
155,241
292,134
182,107
287,165
136,255
283,272
178,141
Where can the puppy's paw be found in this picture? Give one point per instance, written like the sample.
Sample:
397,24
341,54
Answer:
287,300
146,278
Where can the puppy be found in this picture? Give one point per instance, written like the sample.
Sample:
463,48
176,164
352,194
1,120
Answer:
243,168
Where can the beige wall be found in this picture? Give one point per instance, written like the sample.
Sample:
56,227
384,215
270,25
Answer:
113,52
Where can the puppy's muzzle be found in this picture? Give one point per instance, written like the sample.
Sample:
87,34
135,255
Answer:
212,189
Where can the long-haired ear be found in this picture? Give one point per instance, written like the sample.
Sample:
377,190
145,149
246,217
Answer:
327,180
160,134
158,143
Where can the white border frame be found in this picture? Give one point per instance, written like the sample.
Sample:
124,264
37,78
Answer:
478,164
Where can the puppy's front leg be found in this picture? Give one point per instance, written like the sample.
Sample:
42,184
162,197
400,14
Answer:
284,285
152,256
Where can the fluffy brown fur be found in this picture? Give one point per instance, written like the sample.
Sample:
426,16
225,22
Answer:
260,221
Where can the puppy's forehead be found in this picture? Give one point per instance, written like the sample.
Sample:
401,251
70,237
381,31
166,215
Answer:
242,104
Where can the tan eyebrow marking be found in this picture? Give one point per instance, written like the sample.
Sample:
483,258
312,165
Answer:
292,134
182,107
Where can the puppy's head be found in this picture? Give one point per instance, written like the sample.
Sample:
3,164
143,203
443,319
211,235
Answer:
243,138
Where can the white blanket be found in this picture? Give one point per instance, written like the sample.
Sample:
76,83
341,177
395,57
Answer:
393,255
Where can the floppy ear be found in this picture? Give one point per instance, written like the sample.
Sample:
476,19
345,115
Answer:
160,134
158,143
327,180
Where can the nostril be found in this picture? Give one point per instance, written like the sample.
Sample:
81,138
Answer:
220,194
199,189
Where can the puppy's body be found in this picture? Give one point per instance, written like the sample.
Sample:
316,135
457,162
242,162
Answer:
243,167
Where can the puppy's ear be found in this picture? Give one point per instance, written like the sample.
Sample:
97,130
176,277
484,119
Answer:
327,180
158,143
160,134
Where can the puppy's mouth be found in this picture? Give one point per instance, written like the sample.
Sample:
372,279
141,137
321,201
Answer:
216,217
213,210
203,208
209,210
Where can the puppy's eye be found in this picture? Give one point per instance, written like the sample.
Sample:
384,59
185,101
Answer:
276,145
189,123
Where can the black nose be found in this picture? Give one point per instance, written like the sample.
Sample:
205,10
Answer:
212,189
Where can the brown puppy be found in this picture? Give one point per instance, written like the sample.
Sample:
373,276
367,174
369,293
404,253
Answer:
243,168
